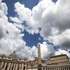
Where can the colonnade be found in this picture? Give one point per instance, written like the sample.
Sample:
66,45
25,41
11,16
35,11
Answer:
6,64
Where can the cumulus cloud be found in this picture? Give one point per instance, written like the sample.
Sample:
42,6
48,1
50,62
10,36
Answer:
63,39
60,51
24,17
46,50
26,52
56,22
31,53
53,20
10,38
24,14
15,19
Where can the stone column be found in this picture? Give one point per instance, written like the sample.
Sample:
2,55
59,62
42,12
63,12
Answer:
2,64
22,66
13,66
39,67
4,68
16,66
9,64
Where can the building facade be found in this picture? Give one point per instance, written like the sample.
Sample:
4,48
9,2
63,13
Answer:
60,62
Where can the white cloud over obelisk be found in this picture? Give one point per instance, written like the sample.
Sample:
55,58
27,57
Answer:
52,18
10,34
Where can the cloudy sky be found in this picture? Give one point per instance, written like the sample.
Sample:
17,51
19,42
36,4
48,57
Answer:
25,23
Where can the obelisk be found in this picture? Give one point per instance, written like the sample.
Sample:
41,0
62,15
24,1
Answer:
39,50
39,57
